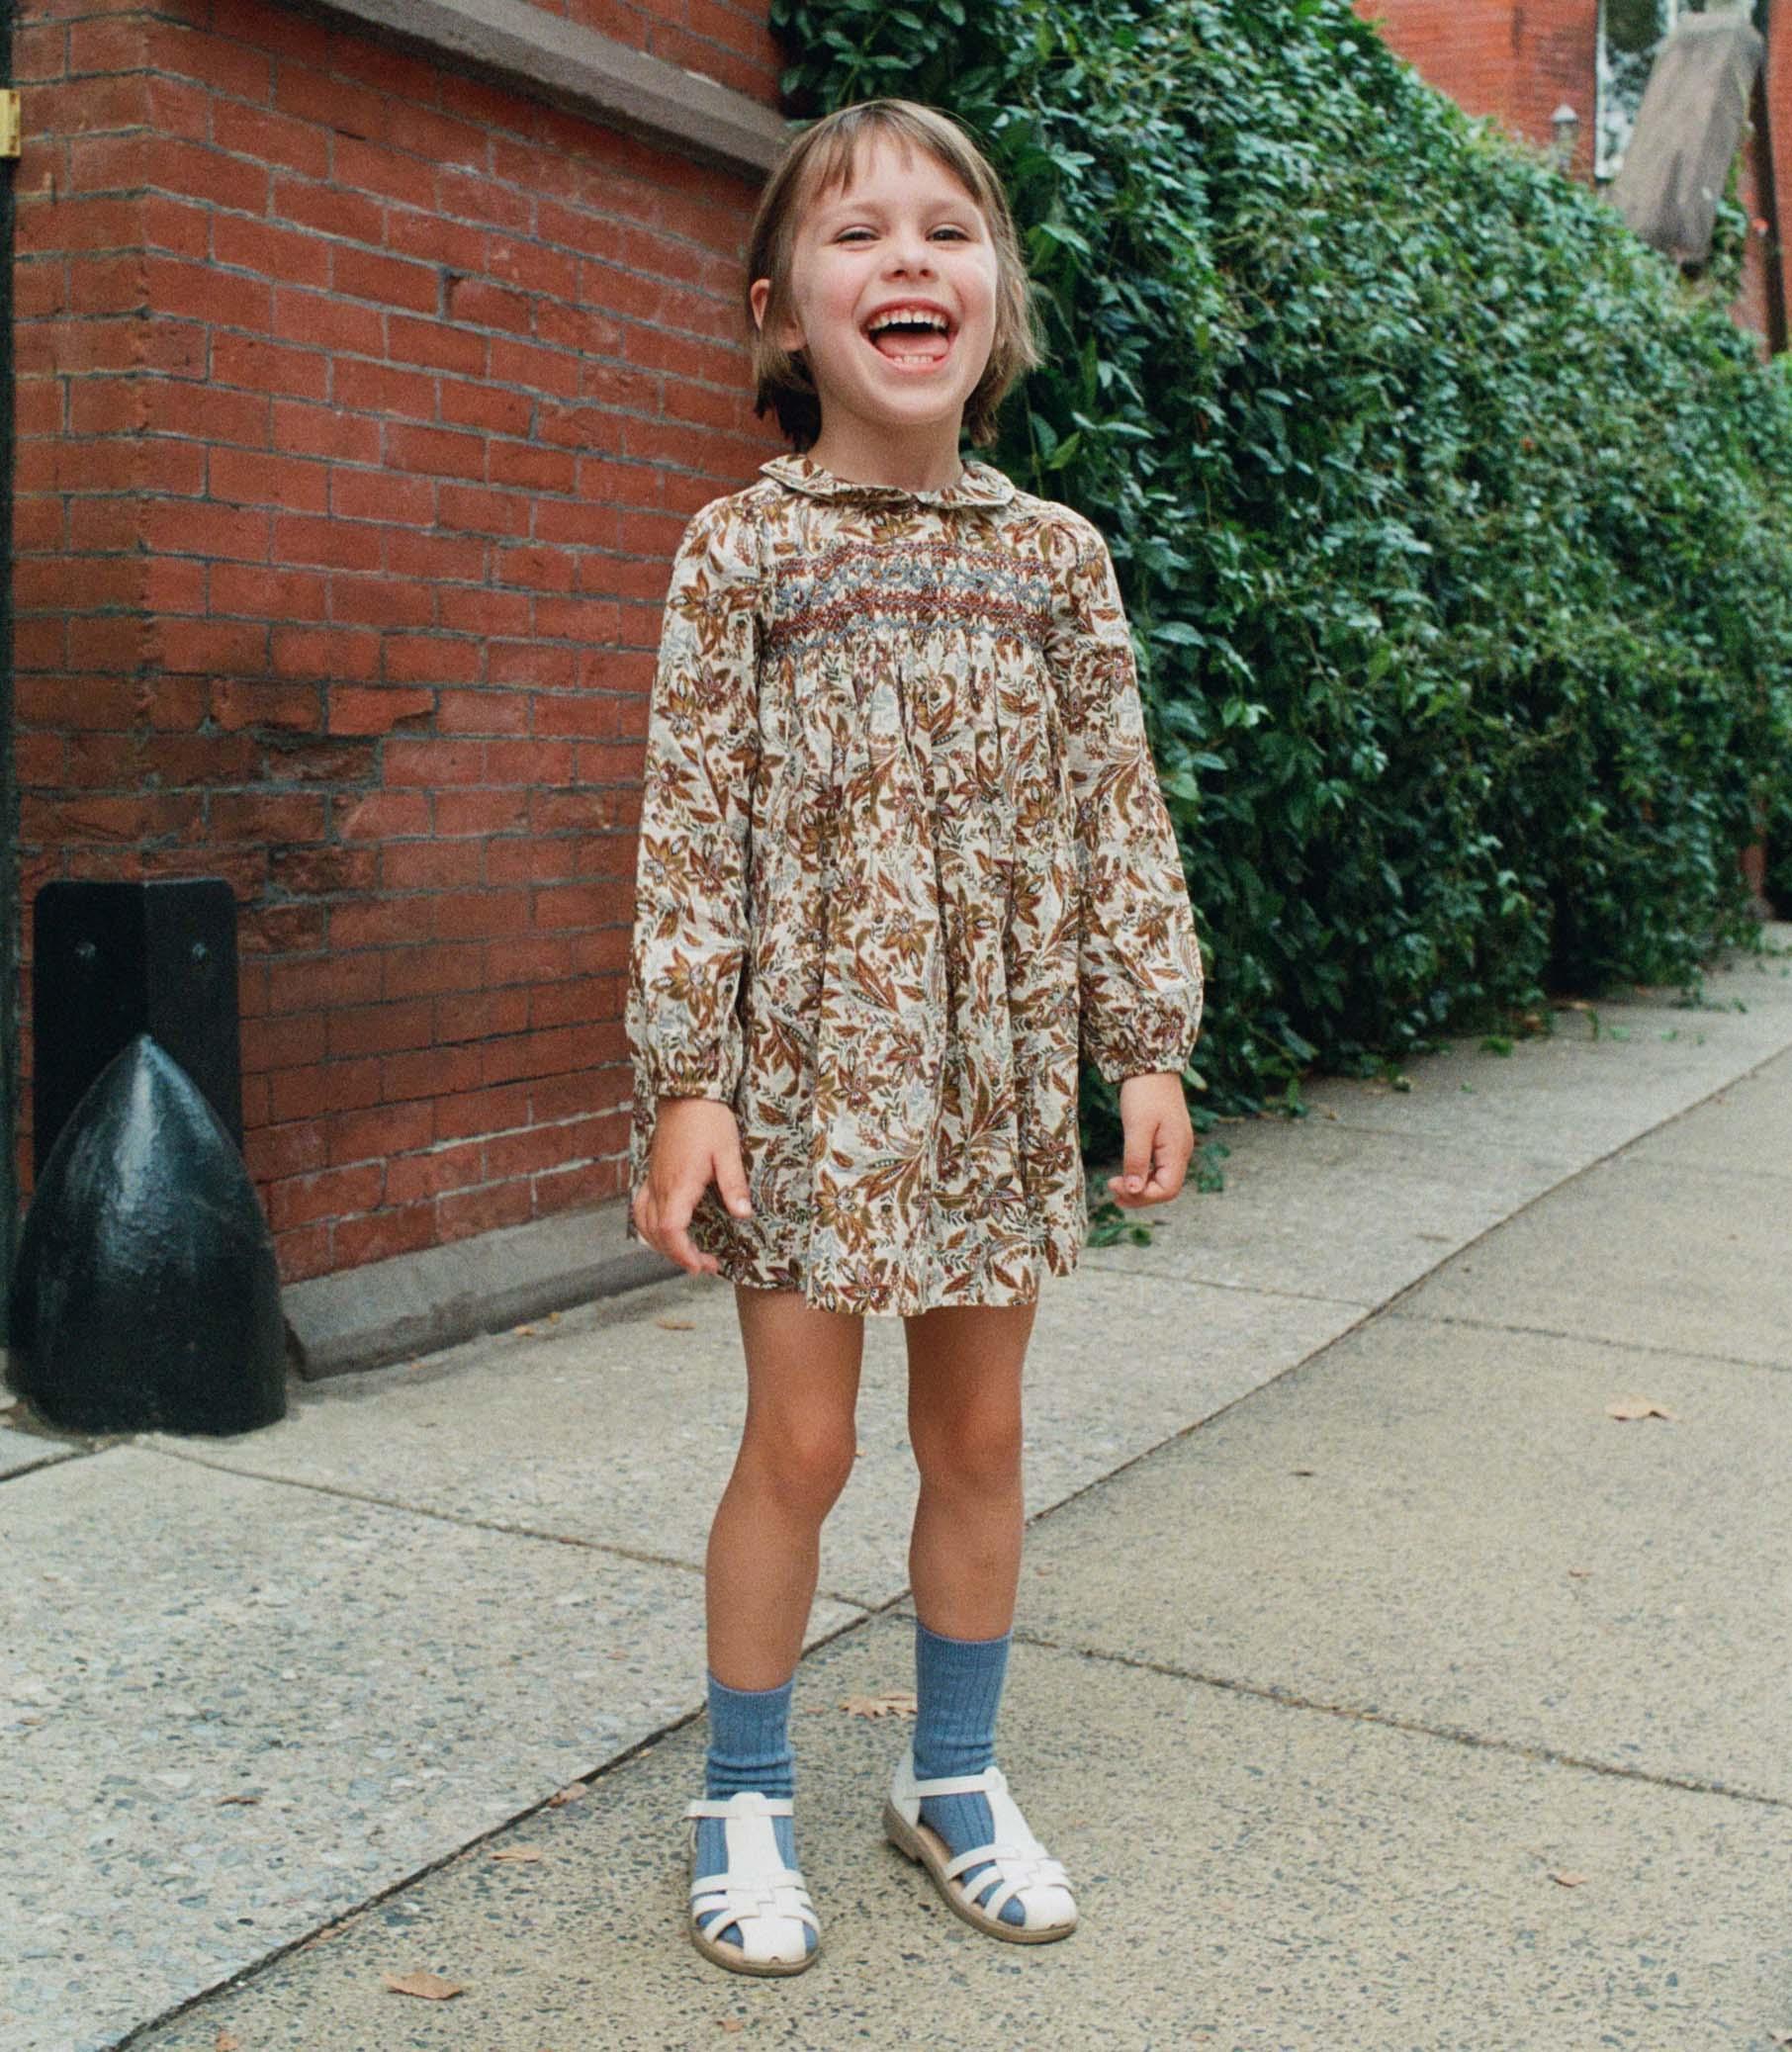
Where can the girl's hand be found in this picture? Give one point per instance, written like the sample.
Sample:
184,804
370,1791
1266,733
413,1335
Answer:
695,1140
1160,1140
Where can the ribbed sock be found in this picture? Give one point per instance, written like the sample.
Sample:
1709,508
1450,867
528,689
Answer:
958,1688
749,1747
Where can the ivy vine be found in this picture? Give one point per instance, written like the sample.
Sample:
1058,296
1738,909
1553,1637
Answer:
1454,523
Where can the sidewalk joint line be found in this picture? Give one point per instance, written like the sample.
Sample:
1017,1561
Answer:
1590,1339
605,1770
1455,1735
1515,1149
1366,1313
1585,1170
446,1517
1091,1262
25,1467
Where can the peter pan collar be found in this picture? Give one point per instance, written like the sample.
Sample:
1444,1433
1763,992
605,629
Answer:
981,485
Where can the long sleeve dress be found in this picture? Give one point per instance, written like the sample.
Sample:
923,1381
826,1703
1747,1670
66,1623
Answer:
903,862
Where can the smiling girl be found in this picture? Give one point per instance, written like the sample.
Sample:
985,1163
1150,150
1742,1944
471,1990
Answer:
903,862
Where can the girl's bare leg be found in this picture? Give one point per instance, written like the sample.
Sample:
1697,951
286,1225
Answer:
796,1453
964,1423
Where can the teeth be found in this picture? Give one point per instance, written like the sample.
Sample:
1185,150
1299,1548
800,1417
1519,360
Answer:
910,317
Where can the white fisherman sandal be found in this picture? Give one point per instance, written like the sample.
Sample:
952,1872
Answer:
756,1891
1023,1868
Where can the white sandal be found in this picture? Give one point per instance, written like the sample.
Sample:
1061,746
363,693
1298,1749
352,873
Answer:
1023,1868
756,1891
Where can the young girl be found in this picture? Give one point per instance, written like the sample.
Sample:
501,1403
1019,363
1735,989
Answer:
903,860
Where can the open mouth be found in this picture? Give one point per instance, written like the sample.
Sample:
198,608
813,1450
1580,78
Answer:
917,344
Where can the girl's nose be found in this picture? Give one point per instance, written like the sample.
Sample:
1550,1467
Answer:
909,256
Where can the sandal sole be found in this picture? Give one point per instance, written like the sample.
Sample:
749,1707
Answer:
737,1962
930,1853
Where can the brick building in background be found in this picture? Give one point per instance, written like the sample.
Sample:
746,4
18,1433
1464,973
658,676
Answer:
1516,61
370,360
363,391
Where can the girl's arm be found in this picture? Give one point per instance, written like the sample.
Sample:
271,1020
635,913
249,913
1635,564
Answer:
1138,960
691,875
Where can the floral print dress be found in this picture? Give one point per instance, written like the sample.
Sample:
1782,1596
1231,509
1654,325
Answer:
903,862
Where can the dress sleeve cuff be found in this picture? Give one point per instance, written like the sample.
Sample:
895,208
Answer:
1152,1036
694,1071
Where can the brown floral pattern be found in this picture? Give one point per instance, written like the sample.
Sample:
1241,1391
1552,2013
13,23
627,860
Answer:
903,862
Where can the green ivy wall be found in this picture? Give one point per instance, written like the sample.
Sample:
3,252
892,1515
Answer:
1453,522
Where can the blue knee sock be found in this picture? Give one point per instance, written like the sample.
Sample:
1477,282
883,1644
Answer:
958,1688
749,1747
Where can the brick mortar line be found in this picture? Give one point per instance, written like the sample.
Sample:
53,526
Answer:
590,209
156,67
148,251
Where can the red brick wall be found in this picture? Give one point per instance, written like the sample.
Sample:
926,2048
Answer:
1774,96
360,407
1752,309
1517,61
727,43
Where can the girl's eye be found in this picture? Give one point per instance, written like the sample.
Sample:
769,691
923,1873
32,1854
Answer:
960,232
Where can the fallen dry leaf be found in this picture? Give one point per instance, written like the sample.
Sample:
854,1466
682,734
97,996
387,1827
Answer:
227,2041
677,1324
517,1852
1637,1407
570,1794
223,1800
892,1703
856,1451
1580,1574
1569,1880
733,2023
525,1331
431,1987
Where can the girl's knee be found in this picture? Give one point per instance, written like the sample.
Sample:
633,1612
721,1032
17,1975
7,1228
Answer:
975,1453
806,1462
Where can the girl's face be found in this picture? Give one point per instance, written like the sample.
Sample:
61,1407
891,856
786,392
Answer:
905,235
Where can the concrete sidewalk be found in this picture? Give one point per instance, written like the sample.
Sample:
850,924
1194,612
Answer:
1377,1685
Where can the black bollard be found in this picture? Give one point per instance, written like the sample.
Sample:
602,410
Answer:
111,960
145,1296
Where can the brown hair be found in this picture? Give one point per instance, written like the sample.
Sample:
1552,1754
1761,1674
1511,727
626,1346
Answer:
825,154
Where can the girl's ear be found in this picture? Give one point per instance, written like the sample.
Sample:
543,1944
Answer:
790,336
